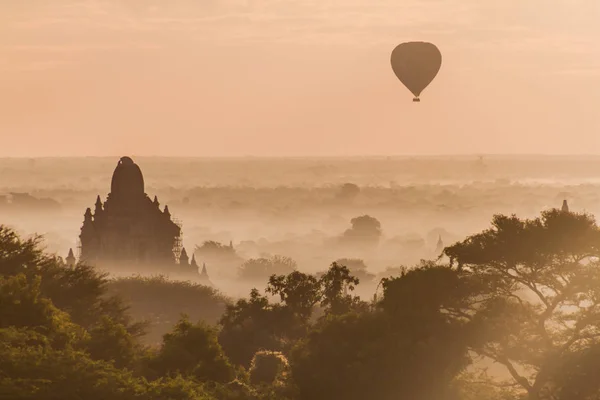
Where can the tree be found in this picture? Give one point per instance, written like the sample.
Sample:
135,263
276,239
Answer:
80,291
193,350
255,324
32,369
357,268
161,302
45,354
411,346
260,269
298,291
348,191
365,230
223,258
22,306
360,356
252,325
542,303
110,341
335,284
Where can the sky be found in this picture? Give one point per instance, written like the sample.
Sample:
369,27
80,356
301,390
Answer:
296,77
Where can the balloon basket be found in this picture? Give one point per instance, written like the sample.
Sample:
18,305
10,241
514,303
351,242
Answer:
416,100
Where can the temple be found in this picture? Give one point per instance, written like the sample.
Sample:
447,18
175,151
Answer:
130,229
204,279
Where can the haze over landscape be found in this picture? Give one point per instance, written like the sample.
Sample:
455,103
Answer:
253,200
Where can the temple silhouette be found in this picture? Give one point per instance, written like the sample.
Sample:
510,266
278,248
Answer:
130,230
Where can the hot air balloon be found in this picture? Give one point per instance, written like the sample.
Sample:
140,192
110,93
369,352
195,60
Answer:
416,64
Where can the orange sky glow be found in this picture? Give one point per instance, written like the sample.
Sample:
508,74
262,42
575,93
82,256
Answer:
295,77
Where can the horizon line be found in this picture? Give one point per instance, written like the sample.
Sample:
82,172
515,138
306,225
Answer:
332,156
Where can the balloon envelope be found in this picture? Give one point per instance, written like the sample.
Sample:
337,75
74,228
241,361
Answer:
416,64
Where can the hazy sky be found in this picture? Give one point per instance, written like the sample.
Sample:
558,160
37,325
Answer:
295,77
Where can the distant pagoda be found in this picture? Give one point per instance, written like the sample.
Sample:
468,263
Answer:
130,228
440,245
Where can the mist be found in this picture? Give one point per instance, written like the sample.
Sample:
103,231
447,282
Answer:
299,200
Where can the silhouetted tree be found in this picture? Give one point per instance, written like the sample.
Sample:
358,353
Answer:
46,354
222,258
161,302
110,341
388,354
348,191
260,269
365,230
22,306
193,350
80,291
542,305
357,268
335,284
298,291
250,325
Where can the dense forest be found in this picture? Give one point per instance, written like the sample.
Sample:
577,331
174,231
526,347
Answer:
514,313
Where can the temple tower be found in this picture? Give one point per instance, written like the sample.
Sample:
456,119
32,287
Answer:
71,258
129,228
440,245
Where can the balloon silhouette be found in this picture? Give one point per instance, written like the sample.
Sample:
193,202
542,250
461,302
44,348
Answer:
416,64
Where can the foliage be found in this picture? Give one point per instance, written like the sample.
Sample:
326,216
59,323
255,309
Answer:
255,324
110,341
45,353
365,229
192,350
335,284
223,257
251,325
359,356
212,248
21,306
348,191
260,269
79,291
523,294
541,307
161,301
299,292
357,268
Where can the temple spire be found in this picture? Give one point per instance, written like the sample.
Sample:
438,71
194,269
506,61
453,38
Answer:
166,212
156,203
440,245
183,258
88,215
98,205
193,262
204,273
70,258
565,206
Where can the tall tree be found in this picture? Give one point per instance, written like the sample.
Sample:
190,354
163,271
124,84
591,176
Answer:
391,353
542,304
